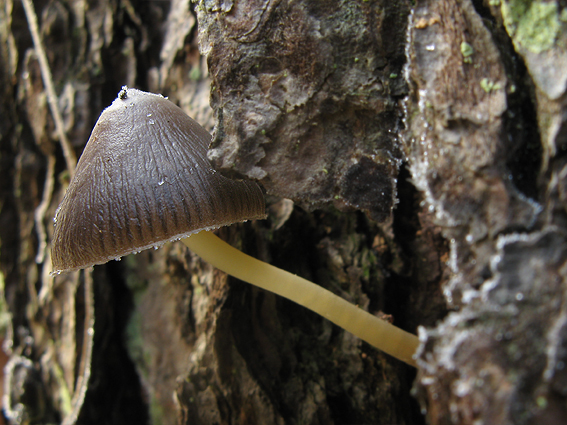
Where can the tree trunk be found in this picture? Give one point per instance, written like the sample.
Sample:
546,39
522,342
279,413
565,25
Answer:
412,159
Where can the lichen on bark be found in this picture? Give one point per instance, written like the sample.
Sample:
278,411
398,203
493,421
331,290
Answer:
474,149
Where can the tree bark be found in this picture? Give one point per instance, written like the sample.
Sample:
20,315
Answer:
413,159
486,130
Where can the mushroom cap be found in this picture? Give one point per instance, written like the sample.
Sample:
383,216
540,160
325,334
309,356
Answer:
144,179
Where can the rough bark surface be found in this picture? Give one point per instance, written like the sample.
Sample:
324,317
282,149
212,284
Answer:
414,160
305,97
493,174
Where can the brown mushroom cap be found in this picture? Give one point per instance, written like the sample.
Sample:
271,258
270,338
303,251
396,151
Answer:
144,179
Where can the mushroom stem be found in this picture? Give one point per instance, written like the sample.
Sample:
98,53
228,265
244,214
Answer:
378,333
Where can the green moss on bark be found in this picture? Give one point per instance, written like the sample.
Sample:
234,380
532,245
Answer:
532,24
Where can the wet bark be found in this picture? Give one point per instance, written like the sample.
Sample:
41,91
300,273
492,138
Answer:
412,158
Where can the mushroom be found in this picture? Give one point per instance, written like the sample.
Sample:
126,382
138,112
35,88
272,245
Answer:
144,179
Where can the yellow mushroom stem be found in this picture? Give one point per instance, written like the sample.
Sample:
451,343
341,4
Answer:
378,333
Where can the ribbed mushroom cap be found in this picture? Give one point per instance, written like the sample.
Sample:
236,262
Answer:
144,179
